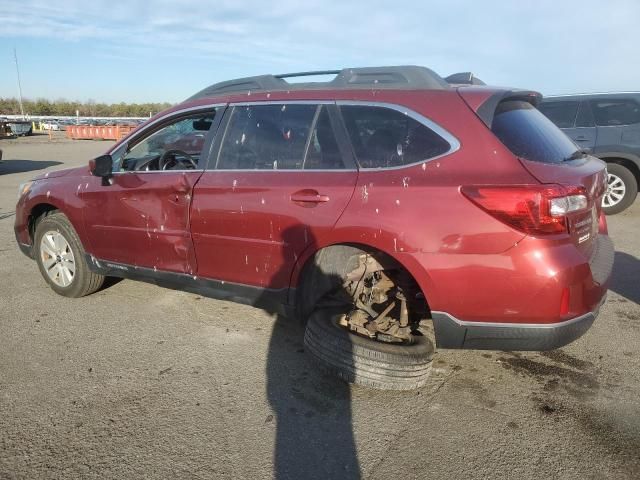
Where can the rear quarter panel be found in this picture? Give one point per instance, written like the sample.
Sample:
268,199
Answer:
416,214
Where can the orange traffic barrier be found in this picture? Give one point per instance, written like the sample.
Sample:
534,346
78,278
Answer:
115,132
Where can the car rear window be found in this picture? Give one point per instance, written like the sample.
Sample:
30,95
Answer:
529,134
383,137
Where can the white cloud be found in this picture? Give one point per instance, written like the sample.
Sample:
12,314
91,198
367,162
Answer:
552,46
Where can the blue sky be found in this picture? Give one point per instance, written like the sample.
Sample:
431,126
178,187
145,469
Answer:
167,50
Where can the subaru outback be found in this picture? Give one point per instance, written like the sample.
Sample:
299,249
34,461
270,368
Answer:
387,208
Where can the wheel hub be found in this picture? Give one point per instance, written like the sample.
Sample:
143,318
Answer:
57,258
615,191
380,311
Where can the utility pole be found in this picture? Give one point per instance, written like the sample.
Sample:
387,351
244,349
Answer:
15,56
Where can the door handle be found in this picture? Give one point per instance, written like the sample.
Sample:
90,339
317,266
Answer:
582,139
309,196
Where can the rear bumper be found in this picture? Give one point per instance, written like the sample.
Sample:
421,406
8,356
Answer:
454,333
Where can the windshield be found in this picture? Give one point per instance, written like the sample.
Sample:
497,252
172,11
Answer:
530,135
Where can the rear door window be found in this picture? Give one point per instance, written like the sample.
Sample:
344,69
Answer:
585,116
530,135
563,113
383,137
266,137
615,112
323,152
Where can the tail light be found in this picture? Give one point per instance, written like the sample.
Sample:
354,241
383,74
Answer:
532,209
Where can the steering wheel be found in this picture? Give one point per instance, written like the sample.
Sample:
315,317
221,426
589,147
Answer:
165,159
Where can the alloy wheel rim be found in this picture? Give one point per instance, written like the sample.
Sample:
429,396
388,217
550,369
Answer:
57,258
616,190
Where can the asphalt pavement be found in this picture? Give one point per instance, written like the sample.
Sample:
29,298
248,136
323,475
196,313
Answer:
137,381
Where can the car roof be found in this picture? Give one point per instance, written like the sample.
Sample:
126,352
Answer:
589,96
403,77
409,76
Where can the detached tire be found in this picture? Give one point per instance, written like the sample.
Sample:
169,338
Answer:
61,258
366,362
622,189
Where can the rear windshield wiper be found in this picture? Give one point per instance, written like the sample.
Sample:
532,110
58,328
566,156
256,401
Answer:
575,155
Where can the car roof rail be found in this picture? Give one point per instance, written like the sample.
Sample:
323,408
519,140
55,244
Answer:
406,76
463,78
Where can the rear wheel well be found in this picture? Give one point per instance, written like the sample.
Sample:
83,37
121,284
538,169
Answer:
327,270
626,163
37,213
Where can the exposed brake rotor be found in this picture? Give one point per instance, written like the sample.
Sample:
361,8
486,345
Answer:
380,305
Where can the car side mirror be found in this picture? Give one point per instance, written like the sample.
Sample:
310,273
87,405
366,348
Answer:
102,166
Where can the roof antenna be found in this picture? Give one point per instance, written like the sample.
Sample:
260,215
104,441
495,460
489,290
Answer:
15,56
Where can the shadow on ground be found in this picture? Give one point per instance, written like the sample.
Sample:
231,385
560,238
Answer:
311,411
626,277
8,166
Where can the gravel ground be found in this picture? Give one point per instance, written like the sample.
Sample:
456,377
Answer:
142,382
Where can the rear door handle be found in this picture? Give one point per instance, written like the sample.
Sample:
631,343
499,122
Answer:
582,139
309,196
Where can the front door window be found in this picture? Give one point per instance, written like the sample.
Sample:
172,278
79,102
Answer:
175,146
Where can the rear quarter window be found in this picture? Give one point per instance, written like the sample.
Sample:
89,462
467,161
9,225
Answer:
615,112
529,134
383,137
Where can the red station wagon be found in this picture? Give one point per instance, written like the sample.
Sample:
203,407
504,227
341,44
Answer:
385,207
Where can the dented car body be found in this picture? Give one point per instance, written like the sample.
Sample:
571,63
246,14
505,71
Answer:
501,231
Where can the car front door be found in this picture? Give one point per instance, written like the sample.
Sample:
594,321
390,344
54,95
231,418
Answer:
279,185
141,216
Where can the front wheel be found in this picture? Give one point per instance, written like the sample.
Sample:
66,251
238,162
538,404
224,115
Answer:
622,188
61,258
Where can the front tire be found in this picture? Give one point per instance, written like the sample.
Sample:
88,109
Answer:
61,258
622,189
363,361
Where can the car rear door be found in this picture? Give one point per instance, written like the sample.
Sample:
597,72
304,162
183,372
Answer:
278,183
141,216
618,123
584,133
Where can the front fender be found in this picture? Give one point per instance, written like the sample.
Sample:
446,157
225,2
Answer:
63,194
